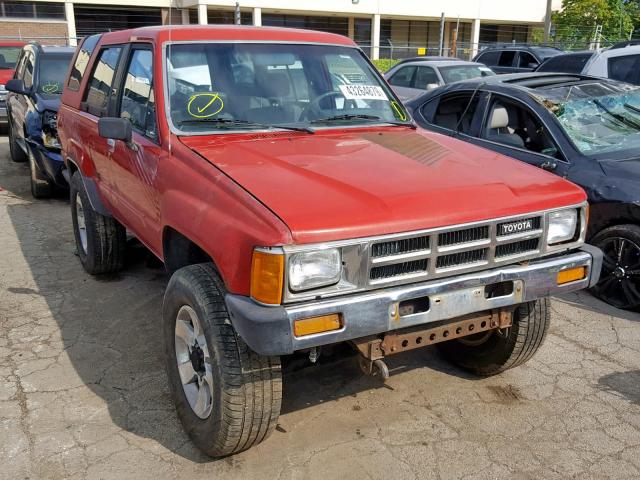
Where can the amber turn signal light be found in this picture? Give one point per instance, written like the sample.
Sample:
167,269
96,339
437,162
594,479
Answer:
572,275
309,326
267,277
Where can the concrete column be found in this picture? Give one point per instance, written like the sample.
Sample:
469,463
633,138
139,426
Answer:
447,39
71,23
375,37
257,16
185,16
202,14
351,27
475,37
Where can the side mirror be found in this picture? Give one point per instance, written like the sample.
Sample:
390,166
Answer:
16,85
115,128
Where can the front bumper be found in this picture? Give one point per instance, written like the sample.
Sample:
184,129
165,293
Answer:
49,162
269,330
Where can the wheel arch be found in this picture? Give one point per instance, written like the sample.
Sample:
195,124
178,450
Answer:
179,251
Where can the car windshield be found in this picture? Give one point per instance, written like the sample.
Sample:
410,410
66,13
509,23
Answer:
9,57
222,86
458,73
52,72
600,118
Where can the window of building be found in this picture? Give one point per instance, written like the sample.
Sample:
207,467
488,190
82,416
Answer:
82,60
339,25
101,80
138,103
224,17
38,10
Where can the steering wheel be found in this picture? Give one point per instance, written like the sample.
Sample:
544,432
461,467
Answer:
314,105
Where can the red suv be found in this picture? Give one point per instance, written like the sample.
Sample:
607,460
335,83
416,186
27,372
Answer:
296,206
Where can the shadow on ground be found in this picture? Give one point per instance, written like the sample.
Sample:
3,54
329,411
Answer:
625,384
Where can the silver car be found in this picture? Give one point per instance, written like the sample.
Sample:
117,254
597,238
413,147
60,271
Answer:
410,79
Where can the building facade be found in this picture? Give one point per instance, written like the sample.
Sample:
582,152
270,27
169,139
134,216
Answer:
383,28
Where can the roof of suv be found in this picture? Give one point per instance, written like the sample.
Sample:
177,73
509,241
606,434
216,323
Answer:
181,33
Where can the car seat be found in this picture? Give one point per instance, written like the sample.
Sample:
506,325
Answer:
499,128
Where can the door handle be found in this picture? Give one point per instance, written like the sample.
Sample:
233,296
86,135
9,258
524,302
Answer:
549,165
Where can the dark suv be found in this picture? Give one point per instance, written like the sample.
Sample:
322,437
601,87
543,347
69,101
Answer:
515,58
32,110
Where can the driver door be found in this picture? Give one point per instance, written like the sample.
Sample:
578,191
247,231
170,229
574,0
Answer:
135,165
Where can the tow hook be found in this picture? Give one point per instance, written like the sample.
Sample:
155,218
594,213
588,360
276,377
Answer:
373,349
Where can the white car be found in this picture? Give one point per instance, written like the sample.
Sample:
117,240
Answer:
410,79
620,62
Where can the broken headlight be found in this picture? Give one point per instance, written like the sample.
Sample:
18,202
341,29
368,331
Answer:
50,130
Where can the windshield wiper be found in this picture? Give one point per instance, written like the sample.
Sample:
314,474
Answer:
633,108
353,116
617,116
244,123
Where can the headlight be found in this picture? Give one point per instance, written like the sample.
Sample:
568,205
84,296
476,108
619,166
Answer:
314,269
561,226
50,129
49,140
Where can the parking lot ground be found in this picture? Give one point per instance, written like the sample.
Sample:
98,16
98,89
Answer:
83,392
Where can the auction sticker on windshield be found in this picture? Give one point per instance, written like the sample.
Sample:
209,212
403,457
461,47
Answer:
362,92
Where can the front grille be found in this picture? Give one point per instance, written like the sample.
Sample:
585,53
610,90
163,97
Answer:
462,258
517,248
463,236
399,269
398,247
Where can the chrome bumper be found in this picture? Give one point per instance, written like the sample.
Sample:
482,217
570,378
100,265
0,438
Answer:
269,330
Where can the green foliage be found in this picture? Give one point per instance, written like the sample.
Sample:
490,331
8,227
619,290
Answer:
384,64
576,23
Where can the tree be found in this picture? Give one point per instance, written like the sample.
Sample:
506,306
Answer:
575,25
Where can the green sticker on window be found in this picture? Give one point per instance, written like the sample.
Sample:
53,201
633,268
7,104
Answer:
399,111
50,88
205,105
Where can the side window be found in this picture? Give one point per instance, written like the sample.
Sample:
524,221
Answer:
28,71
516,126
402,78
506,58
82,60
526,60
489,58
138,102
99,87
425,77
624,68
450,109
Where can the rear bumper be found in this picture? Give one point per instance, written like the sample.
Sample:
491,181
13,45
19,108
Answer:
269,330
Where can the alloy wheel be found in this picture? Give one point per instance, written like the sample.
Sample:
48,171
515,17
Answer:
619,283
194,362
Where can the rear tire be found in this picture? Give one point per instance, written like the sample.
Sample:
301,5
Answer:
41,186
227,396
17,154
100,240
493,353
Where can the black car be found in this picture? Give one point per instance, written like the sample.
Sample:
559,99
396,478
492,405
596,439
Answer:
515,58
585,129
32,109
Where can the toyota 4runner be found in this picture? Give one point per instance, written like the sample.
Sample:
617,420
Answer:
296,206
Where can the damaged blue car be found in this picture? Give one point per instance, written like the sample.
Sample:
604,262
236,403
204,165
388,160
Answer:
585,129
32,110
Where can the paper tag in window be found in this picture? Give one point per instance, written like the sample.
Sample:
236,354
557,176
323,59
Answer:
362,92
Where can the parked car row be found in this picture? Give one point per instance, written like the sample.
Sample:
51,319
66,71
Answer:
297,205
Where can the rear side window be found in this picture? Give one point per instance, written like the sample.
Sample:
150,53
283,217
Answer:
625,68
101,80
506,58
526,60
566,63
402,78
82,60
489,58
450,109
425,77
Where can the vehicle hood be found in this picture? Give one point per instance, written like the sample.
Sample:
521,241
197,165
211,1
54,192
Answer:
362,182
5,75
626,169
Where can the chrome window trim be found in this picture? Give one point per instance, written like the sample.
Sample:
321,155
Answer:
358,262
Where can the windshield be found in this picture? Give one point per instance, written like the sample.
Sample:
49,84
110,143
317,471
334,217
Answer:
218,86
52,72
9,57
464,72
601,118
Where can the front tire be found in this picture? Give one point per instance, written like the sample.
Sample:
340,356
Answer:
100,240
493,352
17,154
226,396
41,186
619,283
